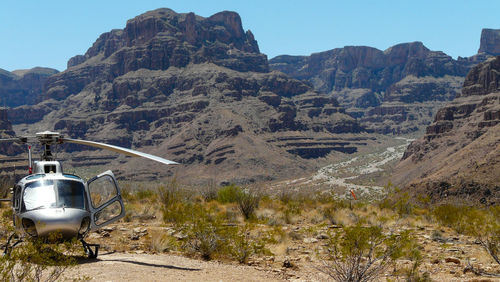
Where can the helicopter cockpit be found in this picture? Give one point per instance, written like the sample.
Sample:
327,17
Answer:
64,203
53,193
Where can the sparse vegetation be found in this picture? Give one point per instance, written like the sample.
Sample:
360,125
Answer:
37,260
346,240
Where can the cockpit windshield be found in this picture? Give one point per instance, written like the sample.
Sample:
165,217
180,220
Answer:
54,193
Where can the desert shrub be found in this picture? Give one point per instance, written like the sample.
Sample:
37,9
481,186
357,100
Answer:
126,193
7,214
242,245
228,194
362,253
329,214
285,195
169,194
412,251
145,194
458,217
403,207
36,260
209,191
248,202
448,215
6,182
291,209
209,236
484,224
203,230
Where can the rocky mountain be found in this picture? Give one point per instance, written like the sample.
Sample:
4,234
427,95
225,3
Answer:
198,91
22,87
395,91
459,156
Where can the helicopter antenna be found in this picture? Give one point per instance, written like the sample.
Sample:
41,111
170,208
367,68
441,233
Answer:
30,162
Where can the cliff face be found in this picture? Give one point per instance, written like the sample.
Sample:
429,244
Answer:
7,148
394,91
23,87
158,40
490,42
459,155
195,90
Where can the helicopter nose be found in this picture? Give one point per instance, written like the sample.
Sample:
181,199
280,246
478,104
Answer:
66,221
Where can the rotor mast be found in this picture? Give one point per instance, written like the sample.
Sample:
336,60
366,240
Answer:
47,138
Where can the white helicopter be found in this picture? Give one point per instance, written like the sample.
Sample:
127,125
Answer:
48,200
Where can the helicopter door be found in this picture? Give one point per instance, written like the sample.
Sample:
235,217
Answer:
106,204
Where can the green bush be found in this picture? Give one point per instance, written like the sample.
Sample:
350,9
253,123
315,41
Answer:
248,201
145,194
228,194
363,253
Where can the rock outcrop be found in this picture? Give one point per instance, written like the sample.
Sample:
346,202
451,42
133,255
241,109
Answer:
158,40
490,42
394,91
7,148
198,91
458,158
23,87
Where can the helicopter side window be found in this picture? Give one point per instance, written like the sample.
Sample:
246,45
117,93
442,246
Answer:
17,196
71,194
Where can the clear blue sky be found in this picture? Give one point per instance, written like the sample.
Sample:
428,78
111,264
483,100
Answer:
48,33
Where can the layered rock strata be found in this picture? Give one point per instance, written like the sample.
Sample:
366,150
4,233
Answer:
198,91
396,91
23,87
458,158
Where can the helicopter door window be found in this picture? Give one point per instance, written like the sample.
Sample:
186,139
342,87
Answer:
108,213
106,201
102,190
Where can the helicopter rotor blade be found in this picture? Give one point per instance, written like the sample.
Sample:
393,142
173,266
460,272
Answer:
15,139
121,150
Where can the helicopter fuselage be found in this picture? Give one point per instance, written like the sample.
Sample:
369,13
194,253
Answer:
51,202
44,204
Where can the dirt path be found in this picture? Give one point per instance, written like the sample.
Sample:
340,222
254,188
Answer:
162,267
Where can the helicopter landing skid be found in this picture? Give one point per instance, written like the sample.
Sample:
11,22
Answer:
91,254
7,247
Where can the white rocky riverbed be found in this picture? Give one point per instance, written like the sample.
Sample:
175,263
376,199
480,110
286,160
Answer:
340,177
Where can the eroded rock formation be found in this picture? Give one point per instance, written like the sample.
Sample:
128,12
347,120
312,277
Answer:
458,158
395,91
198,91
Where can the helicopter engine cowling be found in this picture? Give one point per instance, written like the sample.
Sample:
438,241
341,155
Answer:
68,222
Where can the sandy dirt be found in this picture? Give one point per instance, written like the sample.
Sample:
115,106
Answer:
163,267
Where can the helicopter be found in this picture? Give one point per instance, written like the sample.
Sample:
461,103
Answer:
49,201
